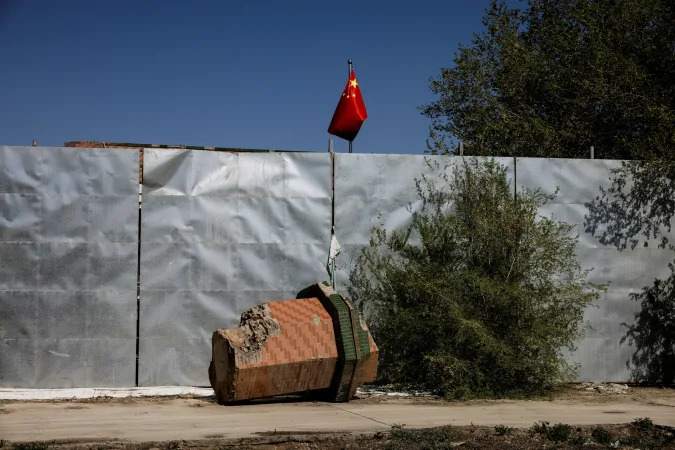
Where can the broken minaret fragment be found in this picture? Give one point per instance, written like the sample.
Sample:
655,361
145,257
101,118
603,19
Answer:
317,342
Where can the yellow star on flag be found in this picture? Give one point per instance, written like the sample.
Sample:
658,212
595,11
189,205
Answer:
350,112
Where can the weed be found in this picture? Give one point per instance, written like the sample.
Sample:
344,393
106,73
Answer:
30,446
538,428
399,436
173,445
646,434
503,430
602,436
432,438
559,433
556,433
643,424
577,440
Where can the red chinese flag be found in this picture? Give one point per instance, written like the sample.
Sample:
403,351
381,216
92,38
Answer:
350,112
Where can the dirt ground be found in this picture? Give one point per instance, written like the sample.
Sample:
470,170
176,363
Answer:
369,422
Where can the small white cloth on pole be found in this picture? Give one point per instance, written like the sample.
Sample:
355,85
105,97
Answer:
334,250
332,254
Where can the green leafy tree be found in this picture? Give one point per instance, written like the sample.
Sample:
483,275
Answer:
480,295
557,76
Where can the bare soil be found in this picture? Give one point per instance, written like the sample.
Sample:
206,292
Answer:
368,422
624,436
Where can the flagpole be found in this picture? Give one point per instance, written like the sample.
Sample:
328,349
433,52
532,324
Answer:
349,64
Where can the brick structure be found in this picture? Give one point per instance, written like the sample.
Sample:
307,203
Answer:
316,342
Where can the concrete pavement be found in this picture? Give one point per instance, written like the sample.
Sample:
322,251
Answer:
192,419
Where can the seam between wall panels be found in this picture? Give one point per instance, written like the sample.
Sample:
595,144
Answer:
515,179
138,263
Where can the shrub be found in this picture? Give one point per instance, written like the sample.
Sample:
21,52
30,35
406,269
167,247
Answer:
577,440
556,433
601,435
643,424
480,295
30,446
538,428
503,430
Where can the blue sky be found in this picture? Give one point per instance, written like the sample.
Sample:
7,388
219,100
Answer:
251,74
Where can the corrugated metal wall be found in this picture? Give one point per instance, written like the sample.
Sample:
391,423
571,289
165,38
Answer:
373,190
221,232
68,263
600,354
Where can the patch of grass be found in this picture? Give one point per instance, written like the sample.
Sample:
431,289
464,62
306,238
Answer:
30,446
173,445
503,430
602,436
432,438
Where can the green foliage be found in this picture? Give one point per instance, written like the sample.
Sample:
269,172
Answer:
538,428
646,434
577,440
556,433
480,295
557,76
602,436
427,439
643,424
30,446
503,430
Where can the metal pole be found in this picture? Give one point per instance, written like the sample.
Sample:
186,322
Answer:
461,148
592,152
332,274
349,63
332,208
138,264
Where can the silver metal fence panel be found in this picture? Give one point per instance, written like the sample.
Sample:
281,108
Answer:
222,232
601,355
68,265
374,190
